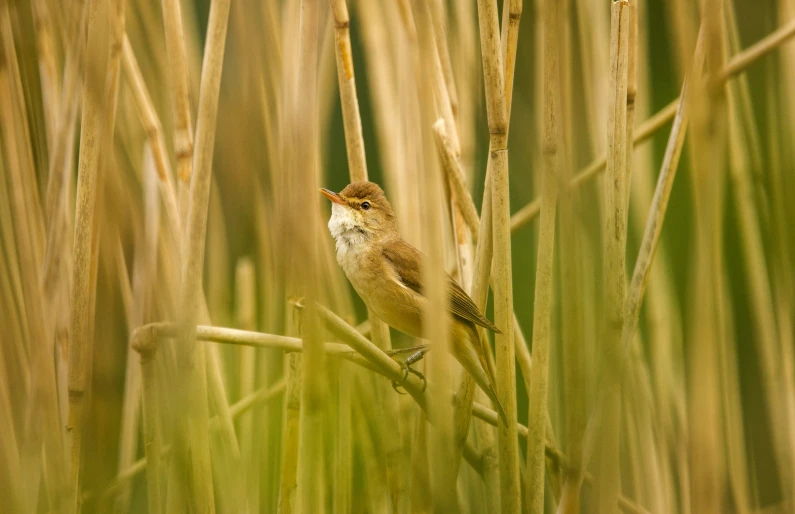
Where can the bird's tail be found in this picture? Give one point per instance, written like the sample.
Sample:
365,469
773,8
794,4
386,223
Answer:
469,353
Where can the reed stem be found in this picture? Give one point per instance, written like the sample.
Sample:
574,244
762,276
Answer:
193,384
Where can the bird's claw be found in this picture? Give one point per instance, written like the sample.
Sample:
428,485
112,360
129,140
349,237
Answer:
406,370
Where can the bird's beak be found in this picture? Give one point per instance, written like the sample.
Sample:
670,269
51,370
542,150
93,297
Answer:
331,195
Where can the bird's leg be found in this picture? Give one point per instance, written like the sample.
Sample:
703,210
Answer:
410,349
406,367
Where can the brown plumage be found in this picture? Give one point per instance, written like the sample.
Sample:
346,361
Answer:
386,272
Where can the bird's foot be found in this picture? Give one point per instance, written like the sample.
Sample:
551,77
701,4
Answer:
406,367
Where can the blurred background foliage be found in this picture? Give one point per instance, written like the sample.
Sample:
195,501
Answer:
246,192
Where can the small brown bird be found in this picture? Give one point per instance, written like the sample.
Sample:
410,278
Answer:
386,272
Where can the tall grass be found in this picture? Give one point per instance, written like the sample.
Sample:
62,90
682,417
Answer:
178,337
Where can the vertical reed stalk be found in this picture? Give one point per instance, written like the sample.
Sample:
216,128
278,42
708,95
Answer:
178,79
706,330
154,131
615,234
573,341
503,294
436,322
144,267
145,342
192,385
96,105
354,142
479,293
357,167
304,184
546,247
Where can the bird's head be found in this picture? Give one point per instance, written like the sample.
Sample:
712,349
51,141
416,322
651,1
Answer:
360,212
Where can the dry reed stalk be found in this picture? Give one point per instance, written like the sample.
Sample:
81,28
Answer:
354,142
436,323
479,293
537,395
154,131
632,92
503,295
341,499
357,167
145,341
95,105
192,384
462,408
144,266
302,184
178,79
289,459
573,341
511,16
706,331
615,234
649,127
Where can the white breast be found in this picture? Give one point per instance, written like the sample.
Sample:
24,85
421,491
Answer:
349,239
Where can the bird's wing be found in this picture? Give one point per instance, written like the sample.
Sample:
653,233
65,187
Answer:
406,261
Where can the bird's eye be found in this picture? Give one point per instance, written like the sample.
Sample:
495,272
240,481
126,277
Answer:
366,205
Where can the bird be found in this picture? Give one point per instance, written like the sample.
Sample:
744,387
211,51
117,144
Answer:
386,272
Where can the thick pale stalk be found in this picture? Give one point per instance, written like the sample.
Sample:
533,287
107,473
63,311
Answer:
615,241
357,168
305,147
354,142
192,384
503,294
